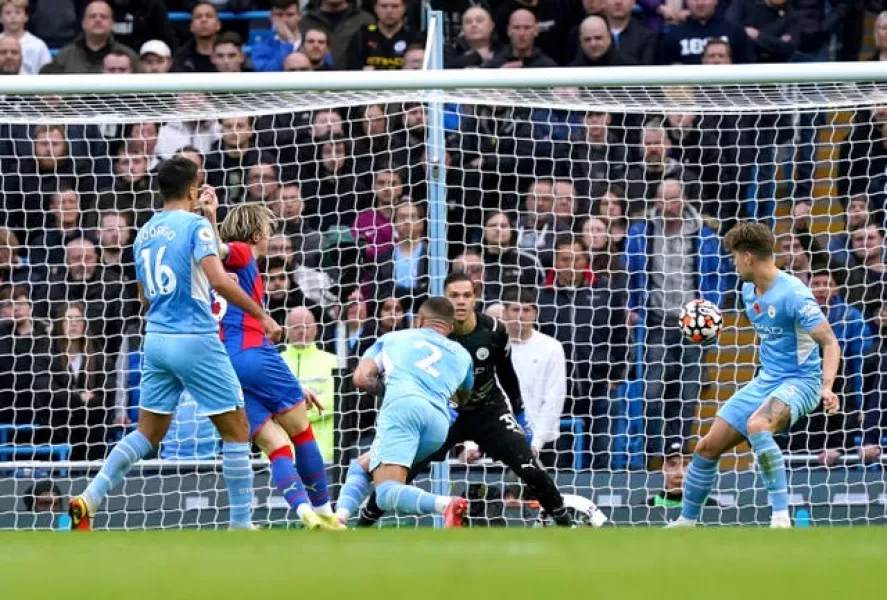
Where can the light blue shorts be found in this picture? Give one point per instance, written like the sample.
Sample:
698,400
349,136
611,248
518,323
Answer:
801,396
194,362
408,430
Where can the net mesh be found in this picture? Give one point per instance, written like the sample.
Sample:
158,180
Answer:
347,176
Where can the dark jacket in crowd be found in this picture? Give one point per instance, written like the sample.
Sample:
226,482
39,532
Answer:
538,59
137,21
340,31
512,267
369,48
56,22
554,19
24,374
772,24
188,60
613,57
685,43
76,57
637,42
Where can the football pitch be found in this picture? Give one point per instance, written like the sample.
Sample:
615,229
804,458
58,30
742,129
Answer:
423,564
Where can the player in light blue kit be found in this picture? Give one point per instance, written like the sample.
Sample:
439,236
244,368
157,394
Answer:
422,371
790,383
176,262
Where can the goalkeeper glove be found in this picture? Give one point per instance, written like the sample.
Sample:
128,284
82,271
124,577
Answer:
521,419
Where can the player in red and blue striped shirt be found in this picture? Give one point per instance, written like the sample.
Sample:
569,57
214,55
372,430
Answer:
275,402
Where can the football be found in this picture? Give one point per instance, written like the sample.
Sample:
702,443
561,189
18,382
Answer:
701,321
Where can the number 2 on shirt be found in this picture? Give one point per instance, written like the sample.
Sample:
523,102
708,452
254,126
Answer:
427,363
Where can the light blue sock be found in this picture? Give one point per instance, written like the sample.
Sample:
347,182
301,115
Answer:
771,464
357,482
700,479
405,499
238,474
125,454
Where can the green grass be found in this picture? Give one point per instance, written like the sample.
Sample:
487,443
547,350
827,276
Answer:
477,564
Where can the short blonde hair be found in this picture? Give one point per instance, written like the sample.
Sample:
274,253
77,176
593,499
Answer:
22,4
246,221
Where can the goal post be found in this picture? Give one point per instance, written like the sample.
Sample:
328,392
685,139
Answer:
499,165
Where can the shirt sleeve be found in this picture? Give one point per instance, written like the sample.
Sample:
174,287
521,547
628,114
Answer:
203,240
374,353
239,256
806,311
468,382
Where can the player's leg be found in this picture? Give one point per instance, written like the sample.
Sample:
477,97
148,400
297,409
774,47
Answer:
371,513
408,431
783,406
309,460
499,436
160,391
213,384
355,488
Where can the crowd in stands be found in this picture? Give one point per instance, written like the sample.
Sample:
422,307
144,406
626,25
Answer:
584,231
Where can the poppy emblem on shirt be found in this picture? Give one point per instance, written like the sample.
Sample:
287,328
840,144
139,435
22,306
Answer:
771,311
757,308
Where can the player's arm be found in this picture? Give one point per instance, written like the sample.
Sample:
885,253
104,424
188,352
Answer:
142,298
506,375
463,394
209,206
831,358
228,289
368,377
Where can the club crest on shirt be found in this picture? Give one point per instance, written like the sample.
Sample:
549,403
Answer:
482,354
771,311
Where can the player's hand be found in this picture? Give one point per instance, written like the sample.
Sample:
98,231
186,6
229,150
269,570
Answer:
311,399
272,329
869,453
828,458
208,202
752,33
830,401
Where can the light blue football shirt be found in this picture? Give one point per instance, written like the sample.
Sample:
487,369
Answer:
783,318
168,251
422,363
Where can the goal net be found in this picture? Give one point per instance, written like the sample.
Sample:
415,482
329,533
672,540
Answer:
586,214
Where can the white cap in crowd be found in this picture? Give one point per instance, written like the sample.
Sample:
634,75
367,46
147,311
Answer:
157,47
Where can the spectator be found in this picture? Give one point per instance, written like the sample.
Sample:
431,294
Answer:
115,239
175,135
349,337
717,52
81,393
605,260
341,20
55,22
536,227
674,468
10,56
879,34
137,21
132,191
87,53
117,62
522,50
231,158
477,44
63,225
862,155
772,27
316,48
288,207
144,137
611,208
16,269
866,282
684,43
297,62
85,280
269,54
835,432
315,369
383,44
334,197
794,258
566,205
655,166
262,181
629,33
24,364
551,23
191,435
471,263
874,410
819,22
34,52
155,57
227,56
597,47
802,228
390,316
839,243
504,264
281,293
380,140
541,370
196,53
578,310
405,267
673,258
414,59
374,226
597,155
43,496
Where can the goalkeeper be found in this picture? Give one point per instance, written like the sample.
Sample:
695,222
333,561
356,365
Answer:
501,431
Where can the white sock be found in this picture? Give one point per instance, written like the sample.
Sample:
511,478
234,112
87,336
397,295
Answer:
324,509
343,513
780,515
441,503
303,509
